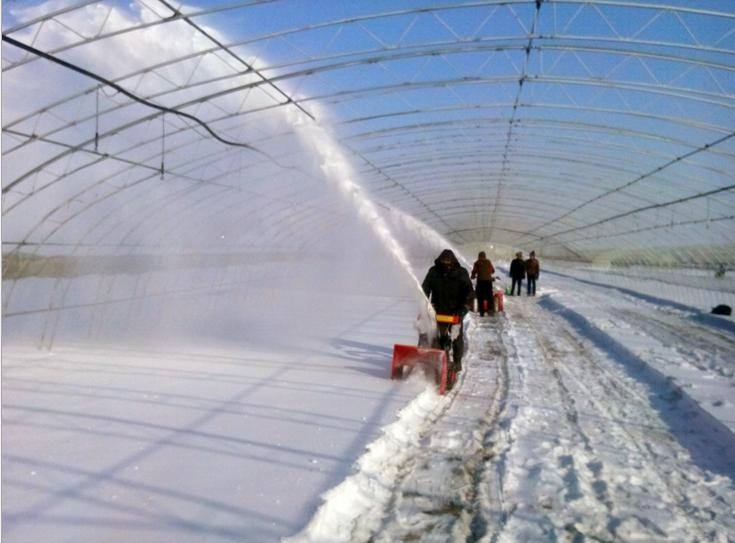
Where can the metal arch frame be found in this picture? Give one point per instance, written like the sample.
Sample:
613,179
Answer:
526,106
478,122
452,166
560,125
437,169
144,119
177,15
244,4
529,172
622,4
152,214
461,209
399,149
82,147
492,46
650,174
287,204
403,87
457,207
354,20
75,196
642,209
547,177
197,183
420,53
627,232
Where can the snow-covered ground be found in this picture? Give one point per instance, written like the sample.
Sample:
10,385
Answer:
586,413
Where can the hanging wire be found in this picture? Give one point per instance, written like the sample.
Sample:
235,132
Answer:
163,141
97,118
127,93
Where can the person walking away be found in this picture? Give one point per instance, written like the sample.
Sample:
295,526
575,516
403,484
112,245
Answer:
448,287
483,271
532,271
517,273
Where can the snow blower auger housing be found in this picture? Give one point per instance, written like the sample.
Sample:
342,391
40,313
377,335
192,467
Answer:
432,361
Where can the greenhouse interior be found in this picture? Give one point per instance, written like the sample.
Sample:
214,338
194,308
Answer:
217,216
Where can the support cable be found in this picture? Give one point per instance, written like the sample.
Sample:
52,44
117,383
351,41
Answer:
127,93
514,116
640,210
163,142
97,119
672,224
646,175
223,47
140,100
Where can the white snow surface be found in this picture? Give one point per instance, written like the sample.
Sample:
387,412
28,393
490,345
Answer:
585,413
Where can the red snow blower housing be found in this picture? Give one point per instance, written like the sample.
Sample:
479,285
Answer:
436,362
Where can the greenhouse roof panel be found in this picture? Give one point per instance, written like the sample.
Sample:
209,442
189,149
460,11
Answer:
572,127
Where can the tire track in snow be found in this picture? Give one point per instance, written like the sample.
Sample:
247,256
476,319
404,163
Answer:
544,475
621,429
689,341
436,498
574,391
420,478
493,511
545,438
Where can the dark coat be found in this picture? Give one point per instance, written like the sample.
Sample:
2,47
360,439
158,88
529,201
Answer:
449,290
518,268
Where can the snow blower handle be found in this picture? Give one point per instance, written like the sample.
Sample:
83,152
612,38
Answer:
430,311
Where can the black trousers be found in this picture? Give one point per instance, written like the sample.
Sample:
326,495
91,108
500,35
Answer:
518,282
484,291
457,347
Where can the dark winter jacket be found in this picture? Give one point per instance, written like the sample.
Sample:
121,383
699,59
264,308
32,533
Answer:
450,290
518,268
532,268
483,270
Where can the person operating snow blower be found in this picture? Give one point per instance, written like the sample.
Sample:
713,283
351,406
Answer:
483,271
449,289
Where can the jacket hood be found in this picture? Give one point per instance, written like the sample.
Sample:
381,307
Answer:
447,253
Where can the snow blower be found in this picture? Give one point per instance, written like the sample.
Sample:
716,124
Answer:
431,361
434,362
499,301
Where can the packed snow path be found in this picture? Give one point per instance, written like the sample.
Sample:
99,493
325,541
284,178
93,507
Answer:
552,434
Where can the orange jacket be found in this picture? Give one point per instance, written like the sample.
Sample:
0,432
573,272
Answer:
483,270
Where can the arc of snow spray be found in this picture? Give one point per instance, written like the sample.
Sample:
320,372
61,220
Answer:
431,236
338,171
